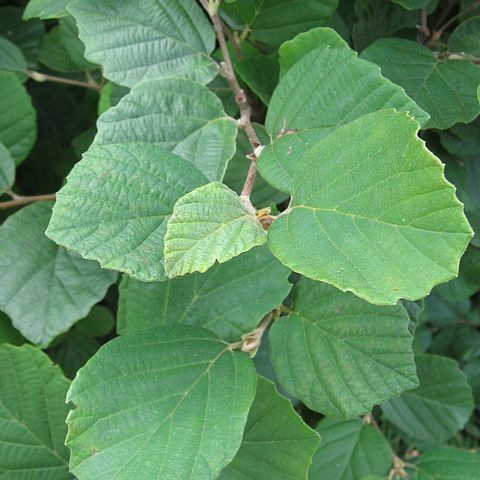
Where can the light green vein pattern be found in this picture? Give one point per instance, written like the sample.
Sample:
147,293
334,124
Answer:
170,403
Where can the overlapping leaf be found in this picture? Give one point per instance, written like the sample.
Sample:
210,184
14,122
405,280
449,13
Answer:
230,299
372,213
178,115
116,203
46,9
173,400
7,169
11,57
466,38
32,416
150,39
45,288
341,355
209,224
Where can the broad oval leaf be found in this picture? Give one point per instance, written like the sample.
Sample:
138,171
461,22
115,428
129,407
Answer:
46,9
45,288
372,213
446,89
350,450
173,400
178,115
11,57
32,416
341,355
116,203
439,408
7,169
18,126
229,299
466,38
277,444
209,224
150,39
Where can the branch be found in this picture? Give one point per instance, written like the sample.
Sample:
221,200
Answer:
43,77
244,121
19,200
423,30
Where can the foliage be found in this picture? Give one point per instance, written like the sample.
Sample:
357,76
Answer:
261,260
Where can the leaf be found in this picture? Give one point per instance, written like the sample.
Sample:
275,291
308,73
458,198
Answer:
447,463
98,323
466,38
412,4
11,57
439,408
350,449
116,203
230,299
372,213
46,9
294,50
8,333
340,355
32,416
7,169
178,115
177,406
73,45
275,21
446,89
277,444
318,94
209,224
45,288
150,40
18,128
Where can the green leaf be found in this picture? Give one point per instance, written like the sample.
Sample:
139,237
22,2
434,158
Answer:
160,39
446,89
372,213
412,4
446,463
349,450
32,416
177,407
178,115
73,45
45,288
468,281
230,299
340,355
277,445
7,169
294,50
472,370
275,21
98,323
18,127
11,57
46,9
116,203
319,93
8,333
466,38
439,408
209,224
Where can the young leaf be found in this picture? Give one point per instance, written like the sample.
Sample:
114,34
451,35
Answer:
439,408
11,57
32,415
7,169
275,21
209,224
18,127
466,38
116,203
45,288
372,213
173,400
446,89
277,445
156,39
341,355
230,299
447,463
178,115
350,449
46,9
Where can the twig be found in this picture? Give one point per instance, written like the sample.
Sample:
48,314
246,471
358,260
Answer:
461,57
423,31
244,121
19,200
43,77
